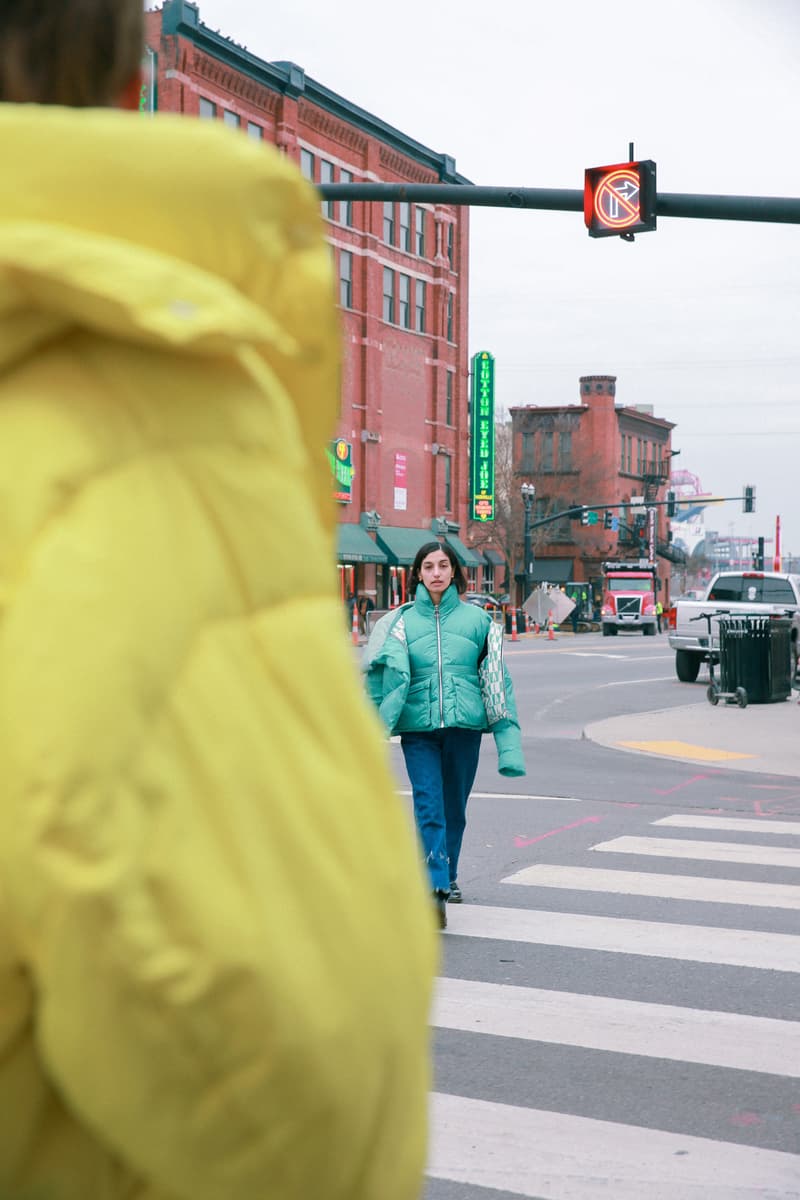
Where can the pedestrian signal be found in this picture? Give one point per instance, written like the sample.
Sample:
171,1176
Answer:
620,199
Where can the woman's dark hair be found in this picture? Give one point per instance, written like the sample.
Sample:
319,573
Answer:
79,53
459,578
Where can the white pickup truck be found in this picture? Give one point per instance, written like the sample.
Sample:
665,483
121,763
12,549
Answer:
755,592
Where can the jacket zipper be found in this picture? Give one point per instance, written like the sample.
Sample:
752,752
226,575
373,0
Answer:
439,657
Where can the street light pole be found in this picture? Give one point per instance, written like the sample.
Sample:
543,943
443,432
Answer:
528,492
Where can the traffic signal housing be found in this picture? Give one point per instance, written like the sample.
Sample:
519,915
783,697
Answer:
584,516
608,519
749,499
620,199
672,506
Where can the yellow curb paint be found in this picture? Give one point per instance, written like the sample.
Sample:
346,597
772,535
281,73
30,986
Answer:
685,750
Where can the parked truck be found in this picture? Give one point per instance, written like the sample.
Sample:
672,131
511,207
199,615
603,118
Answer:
758,593
629,597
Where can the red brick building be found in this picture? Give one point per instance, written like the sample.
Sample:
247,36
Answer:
400,457
596,454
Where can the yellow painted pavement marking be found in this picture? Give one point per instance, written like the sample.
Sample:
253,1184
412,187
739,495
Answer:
686,750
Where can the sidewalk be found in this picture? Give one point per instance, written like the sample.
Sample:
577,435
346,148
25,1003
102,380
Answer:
762,737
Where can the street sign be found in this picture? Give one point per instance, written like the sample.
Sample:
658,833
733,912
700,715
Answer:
620,199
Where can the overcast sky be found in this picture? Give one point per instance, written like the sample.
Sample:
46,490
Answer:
701,319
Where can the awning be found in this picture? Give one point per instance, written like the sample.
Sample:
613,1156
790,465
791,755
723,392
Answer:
355,545
552,570
467,558
401,543
494,558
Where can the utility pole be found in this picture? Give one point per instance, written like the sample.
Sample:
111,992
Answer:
528,492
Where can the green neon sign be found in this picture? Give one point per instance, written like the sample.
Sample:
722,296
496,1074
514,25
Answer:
482,448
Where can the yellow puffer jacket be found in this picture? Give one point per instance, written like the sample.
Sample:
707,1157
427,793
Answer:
215,944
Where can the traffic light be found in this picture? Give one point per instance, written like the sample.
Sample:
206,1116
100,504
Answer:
608,519
620,199
749,499
671,505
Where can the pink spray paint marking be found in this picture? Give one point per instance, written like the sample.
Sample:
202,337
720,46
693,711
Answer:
746,1118
523,841
678,786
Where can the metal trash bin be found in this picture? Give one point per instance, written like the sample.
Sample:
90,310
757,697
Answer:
755,654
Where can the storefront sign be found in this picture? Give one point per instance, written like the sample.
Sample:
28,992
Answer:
340,456
482,447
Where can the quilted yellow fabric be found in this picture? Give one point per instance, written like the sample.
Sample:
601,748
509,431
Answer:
216,949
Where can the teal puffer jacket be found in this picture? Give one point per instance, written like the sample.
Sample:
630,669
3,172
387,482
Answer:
439,667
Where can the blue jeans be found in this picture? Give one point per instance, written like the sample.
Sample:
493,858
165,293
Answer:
441,766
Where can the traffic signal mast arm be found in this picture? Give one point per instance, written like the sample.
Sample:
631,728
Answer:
575,511
775,209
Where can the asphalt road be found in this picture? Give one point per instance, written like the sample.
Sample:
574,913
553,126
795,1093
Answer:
618,1011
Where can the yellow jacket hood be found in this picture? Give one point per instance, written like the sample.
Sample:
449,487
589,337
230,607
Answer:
165,231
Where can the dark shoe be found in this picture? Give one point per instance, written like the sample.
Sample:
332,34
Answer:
455,896
440,900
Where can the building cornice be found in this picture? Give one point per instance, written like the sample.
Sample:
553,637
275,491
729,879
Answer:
181,18
634,415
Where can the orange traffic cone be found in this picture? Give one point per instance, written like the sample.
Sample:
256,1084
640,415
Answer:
514,629
551,637
536,627
355,625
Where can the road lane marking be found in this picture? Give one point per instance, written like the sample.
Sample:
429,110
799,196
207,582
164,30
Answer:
507,796
685,750
651,939
598,654
631,658
736,852
625,682
668,887
715,1039
731,824
554,1156
597,687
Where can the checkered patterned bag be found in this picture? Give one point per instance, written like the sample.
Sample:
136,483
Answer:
491,676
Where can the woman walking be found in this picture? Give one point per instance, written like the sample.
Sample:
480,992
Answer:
435,671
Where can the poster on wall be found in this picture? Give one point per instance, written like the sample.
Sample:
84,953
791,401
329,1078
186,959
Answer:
340,457
401,482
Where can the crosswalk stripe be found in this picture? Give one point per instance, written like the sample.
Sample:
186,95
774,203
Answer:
737,852
718,1039
671,887
652,939
553,1156
731,824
